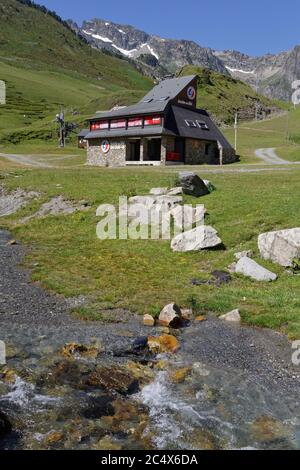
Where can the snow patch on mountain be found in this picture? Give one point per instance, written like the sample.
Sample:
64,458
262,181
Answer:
153,52
125,51
240,71
97,36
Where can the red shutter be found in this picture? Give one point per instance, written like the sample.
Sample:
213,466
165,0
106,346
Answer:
153,121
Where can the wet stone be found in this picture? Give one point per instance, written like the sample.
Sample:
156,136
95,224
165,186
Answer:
140,343
99,407
114,379
75,350
5,425
267,429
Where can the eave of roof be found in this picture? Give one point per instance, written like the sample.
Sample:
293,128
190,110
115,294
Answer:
139,109
132,132
83,133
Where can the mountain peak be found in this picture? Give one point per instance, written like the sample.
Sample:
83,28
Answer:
271,74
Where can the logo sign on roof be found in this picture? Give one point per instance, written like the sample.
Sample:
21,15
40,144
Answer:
191,93
105,146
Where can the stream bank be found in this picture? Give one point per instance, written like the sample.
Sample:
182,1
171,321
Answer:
78,385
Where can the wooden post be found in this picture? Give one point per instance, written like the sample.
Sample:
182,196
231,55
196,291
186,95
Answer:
235,130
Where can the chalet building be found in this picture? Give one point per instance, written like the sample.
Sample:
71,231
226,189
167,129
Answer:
165,127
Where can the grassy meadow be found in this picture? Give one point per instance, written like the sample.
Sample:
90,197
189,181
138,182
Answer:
142,276
282,133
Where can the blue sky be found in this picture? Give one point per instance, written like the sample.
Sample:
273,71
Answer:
255,27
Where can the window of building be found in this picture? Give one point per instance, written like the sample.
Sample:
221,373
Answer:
135,122
118,124
152,121
190,123
207,148
202,125
95,126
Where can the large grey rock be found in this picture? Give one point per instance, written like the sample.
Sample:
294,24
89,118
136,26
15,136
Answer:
248,267
147,201
158,191
168,201
192,184
233,317
170,316
282,247
175,191
158,202
187,216
200,238
243,254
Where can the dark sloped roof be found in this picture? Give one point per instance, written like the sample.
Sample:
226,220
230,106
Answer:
83,133
136,109
176,124
169,88
133,132
156,101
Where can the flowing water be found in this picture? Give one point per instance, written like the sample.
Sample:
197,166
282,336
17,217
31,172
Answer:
210,406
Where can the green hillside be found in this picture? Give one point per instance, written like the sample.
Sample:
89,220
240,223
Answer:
46,67
222,96
281,132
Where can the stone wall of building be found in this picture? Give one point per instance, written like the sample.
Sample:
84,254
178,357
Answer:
115,157
199,151
228,155
196,152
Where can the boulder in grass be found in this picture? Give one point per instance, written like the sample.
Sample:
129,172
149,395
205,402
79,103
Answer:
158,191
200,238
192,184
146,201
233,317
170,316
243,254
249,268
282,247
175,191
186,216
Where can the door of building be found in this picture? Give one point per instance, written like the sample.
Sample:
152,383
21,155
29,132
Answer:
135,151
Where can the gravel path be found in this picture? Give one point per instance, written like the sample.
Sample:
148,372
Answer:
270,156
27,160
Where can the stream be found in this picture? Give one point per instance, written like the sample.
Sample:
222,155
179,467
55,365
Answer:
69,384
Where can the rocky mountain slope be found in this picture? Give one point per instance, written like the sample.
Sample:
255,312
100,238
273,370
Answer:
271,75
